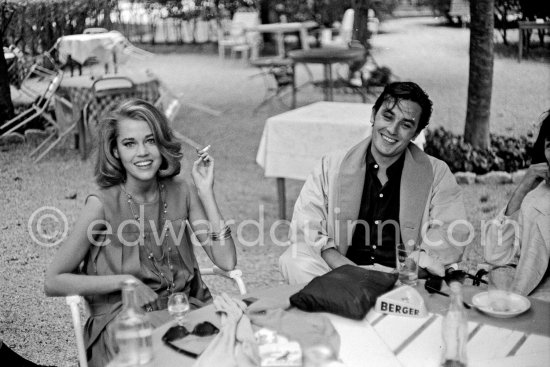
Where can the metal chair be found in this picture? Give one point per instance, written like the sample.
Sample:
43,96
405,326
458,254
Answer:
168,102
278,75
27,74
107,92
38,108
62,127
129,49
237,38
341,36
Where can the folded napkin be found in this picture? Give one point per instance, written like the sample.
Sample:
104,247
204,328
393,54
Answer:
234,345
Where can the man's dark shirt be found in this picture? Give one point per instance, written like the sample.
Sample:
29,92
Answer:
378,204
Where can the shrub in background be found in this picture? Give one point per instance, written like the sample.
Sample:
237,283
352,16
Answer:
504,154
35,25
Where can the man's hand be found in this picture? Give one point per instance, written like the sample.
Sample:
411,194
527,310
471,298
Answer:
430,264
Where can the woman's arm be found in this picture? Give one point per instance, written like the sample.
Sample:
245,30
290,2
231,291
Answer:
205,216
60,277
534,175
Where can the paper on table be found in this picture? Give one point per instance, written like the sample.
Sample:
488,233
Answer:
361,344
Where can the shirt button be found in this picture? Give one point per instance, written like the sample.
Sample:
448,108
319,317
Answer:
374,247
376,222
381,195
375,166
372,257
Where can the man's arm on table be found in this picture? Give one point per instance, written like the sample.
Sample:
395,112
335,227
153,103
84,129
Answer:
335,259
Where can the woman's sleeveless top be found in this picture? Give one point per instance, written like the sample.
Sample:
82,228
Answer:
122,245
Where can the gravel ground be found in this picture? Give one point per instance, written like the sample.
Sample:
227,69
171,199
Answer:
415,49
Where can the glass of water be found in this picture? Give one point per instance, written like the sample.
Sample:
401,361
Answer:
407,265
178,307
500,287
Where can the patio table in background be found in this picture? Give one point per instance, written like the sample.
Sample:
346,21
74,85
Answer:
293,142
105,47
387,340
326,56
525,29
78,90
279,29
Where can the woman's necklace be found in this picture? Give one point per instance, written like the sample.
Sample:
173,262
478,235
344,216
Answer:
169,278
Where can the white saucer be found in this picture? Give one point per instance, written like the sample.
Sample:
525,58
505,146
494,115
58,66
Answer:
515,304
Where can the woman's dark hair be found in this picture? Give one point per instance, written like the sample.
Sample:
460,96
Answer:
537,155
408,91
109,171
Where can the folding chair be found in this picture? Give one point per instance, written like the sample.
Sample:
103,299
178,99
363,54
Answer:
278,75
129,49
38,108
62,127
75,301
167,102
27,75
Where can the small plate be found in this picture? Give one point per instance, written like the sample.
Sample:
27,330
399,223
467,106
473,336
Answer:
512,304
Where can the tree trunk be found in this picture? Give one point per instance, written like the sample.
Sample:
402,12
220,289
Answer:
6,105
476,130
361,31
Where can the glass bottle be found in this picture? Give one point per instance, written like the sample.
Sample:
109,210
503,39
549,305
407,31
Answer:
320,356
455,330
133,332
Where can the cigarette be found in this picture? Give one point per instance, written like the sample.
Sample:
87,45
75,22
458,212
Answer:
204,150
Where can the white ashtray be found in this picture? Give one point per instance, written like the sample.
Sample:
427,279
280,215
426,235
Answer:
504,305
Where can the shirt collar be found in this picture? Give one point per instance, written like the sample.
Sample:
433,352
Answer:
393,171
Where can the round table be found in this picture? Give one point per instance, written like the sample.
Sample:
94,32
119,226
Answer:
327,56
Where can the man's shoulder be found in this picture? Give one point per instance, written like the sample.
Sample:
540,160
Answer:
355,152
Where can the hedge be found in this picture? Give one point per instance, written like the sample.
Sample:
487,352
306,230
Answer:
504,153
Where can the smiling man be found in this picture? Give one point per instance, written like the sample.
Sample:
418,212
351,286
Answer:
360,204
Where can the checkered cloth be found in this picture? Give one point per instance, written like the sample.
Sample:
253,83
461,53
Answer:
80,95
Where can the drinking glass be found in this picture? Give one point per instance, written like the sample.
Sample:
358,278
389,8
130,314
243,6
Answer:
178,306
407,265
500,287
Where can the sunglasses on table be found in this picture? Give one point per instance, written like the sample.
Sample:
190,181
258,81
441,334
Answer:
178,332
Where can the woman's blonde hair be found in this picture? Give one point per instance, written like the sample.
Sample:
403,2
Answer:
109,171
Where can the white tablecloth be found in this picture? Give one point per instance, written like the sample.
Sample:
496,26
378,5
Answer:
293,142
99,45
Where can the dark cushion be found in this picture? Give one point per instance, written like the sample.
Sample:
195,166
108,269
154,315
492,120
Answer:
348,291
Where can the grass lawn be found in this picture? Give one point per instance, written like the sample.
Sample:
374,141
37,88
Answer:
40,328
